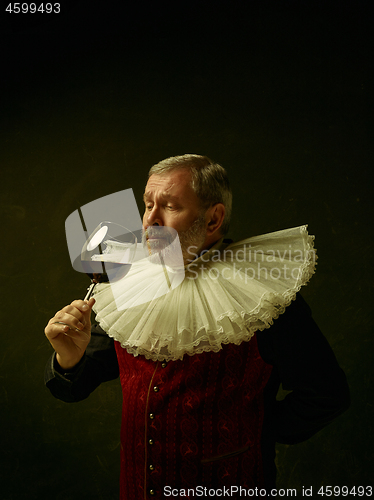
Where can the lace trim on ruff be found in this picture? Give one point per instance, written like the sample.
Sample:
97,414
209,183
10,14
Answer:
171,342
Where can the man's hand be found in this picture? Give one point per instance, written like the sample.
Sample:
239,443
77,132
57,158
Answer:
69,332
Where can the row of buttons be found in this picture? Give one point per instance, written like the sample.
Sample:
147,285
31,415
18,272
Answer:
151,467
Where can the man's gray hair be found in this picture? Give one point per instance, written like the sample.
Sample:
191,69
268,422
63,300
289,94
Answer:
209,181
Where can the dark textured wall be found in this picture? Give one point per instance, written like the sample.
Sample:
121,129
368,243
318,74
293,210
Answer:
278,93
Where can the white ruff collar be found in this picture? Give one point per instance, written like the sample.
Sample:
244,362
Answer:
227,294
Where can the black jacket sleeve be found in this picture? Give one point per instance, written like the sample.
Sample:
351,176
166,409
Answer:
99,364
304,363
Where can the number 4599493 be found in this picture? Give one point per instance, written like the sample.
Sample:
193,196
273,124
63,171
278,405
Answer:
344,491
32,8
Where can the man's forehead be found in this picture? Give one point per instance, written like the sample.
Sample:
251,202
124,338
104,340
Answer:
149,194
173,185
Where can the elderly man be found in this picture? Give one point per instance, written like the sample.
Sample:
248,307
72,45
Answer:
199,402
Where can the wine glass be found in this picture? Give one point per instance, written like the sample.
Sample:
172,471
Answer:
107,254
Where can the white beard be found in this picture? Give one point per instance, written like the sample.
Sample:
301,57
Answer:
162,240
193,239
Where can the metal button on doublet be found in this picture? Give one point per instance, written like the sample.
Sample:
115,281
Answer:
151,416
163,365
152,492
151,467
156,389
150,441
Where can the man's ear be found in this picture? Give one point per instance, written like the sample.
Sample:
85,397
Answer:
215,216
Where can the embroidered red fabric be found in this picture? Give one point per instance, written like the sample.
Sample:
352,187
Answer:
192,422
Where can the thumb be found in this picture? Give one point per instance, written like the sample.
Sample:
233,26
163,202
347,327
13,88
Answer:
90,302
87,311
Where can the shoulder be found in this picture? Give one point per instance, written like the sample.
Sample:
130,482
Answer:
290,333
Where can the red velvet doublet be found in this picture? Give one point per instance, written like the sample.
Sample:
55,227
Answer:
192,422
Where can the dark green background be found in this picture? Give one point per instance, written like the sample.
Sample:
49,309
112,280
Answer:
278,93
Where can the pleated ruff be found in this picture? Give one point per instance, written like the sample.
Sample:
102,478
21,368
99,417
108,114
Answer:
226,295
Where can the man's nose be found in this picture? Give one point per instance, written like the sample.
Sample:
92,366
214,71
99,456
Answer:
153,218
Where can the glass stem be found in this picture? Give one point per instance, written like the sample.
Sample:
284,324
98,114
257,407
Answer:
90,290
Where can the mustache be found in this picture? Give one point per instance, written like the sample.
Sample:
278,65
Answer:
159,232
154,232
159,238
